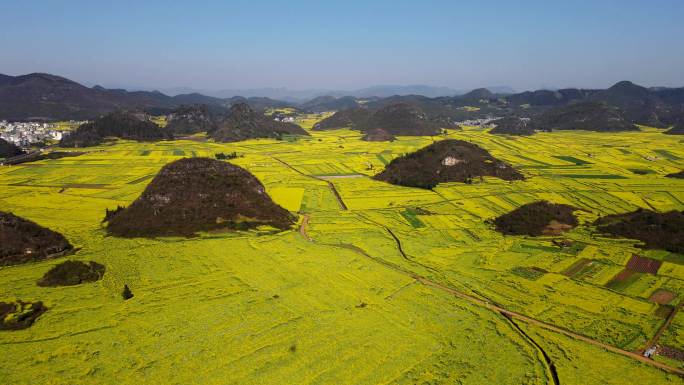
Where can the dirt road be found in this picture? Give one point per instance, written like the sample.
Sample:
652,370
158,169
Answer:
302,228
515,315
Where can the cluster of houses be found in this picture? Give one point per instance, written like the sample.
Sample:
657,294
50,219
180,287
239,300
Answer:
24,134
484,122
285,118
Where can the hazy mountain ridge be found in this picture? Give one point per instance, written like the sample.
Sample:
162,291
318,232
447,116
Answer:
48,97
40,96
301,96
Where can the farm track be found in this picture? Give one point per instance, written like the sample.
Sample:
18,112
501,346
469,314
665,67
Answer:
329,183
547,360
337,194
302,228
664,326
511,314
531,191
397,241
343,206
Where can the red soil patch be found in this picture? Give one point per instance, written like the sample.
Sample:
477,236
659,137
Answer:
662,296
671,353
622,276
644,265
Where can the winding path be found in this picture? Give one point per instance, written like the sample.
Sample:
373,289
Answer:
654,341
547,360
512,314
302,228
329,183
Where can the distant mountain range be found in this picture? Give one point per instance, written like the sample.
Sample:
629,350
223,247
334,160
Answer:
617,108
41,96
299,96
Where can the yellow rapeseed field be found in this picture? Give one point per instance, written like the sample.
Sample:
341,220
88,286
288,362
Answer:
337,300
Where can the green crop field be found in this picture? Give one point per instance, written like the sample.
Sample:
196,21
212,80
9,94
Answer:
365,289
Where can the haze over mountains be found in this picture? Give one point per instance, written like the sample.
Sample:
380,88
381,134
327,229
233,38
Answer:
40,96
46,96
292,95
49,97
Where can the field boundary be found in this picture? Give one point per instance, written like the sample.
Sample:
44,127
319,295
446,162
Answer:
515,315
331,186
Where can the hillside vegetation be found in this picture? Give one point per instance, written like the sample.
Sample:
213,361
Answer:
244,123
23,241
537,218
656,230
446,161
589,116
198,194
123,125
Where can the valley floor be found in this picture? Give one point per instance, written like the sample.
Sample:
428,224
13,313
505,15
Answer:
378,284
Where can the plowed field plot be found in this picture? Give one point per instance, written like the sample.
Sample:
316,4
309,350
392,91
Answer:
662,296
623,279
644,265
671,353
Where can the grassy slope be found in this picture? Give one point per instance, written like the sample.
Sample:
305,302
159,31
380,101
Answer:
204,309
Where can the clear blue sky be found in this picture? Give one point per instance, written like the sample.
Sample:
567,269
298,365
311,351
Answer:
346,44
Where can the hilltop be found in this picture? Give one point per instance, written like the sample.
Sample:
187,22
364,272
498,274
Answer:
547,98
537,218
401,119
446,161
44,96
244,123
590,116
257,102
638,104
353,118
658,107
40,96
330,103
191,119
442,110
478,93
23,241
656,230
123,125
394,119
198,194
70,273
